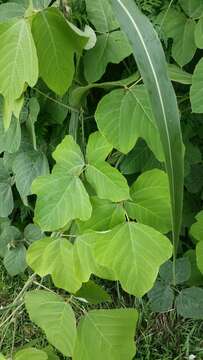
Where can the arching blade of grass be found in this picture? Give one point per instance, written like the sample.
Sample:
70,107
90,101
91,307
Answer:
151,62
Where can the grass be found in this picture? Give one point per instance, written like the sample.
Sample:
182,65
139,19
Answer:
159,336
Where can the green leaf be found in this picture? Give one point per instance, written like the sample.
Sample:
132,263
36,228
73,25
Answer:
139,159
33,233
181,29
28,166
184,46
189,303
2,357
61,198
111,116
6,199
15,260
161,297
105,215
93,293
31,354
110,48
193,8
183,271
101,16
16,45
56,49
69,156
55,257
197,228
98,148
8,236
193,181
144,248
51,355
196,90
37,4
107,182
196,278
11,138
104,329
34,110
150,203
55,317
199,34
151,62
10,10
199,253
85,261
178,75
174,23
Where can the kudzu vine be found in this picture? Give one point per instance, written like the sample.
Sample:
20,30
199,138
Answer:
87,219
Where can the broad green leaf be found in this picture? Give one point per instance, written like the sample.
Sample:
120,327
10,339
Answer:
105,215
111,116
174,22
196,91
189,303
161,298
199,253
178,75
144,248
151,62
33,233
37,4
181,29
110,48
60,198
34,109
15,260
31,354
136,159
150,203
18,61
9,139
196,278
193,8
50,353
101,16
193,181
4,173
56,49
184,46
85,261
197,228
93,293
107,182
98,148
6,199
2,357
8,236
55,317
183,271
107,333
55,257
69,156
199,34
28,166
10,10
